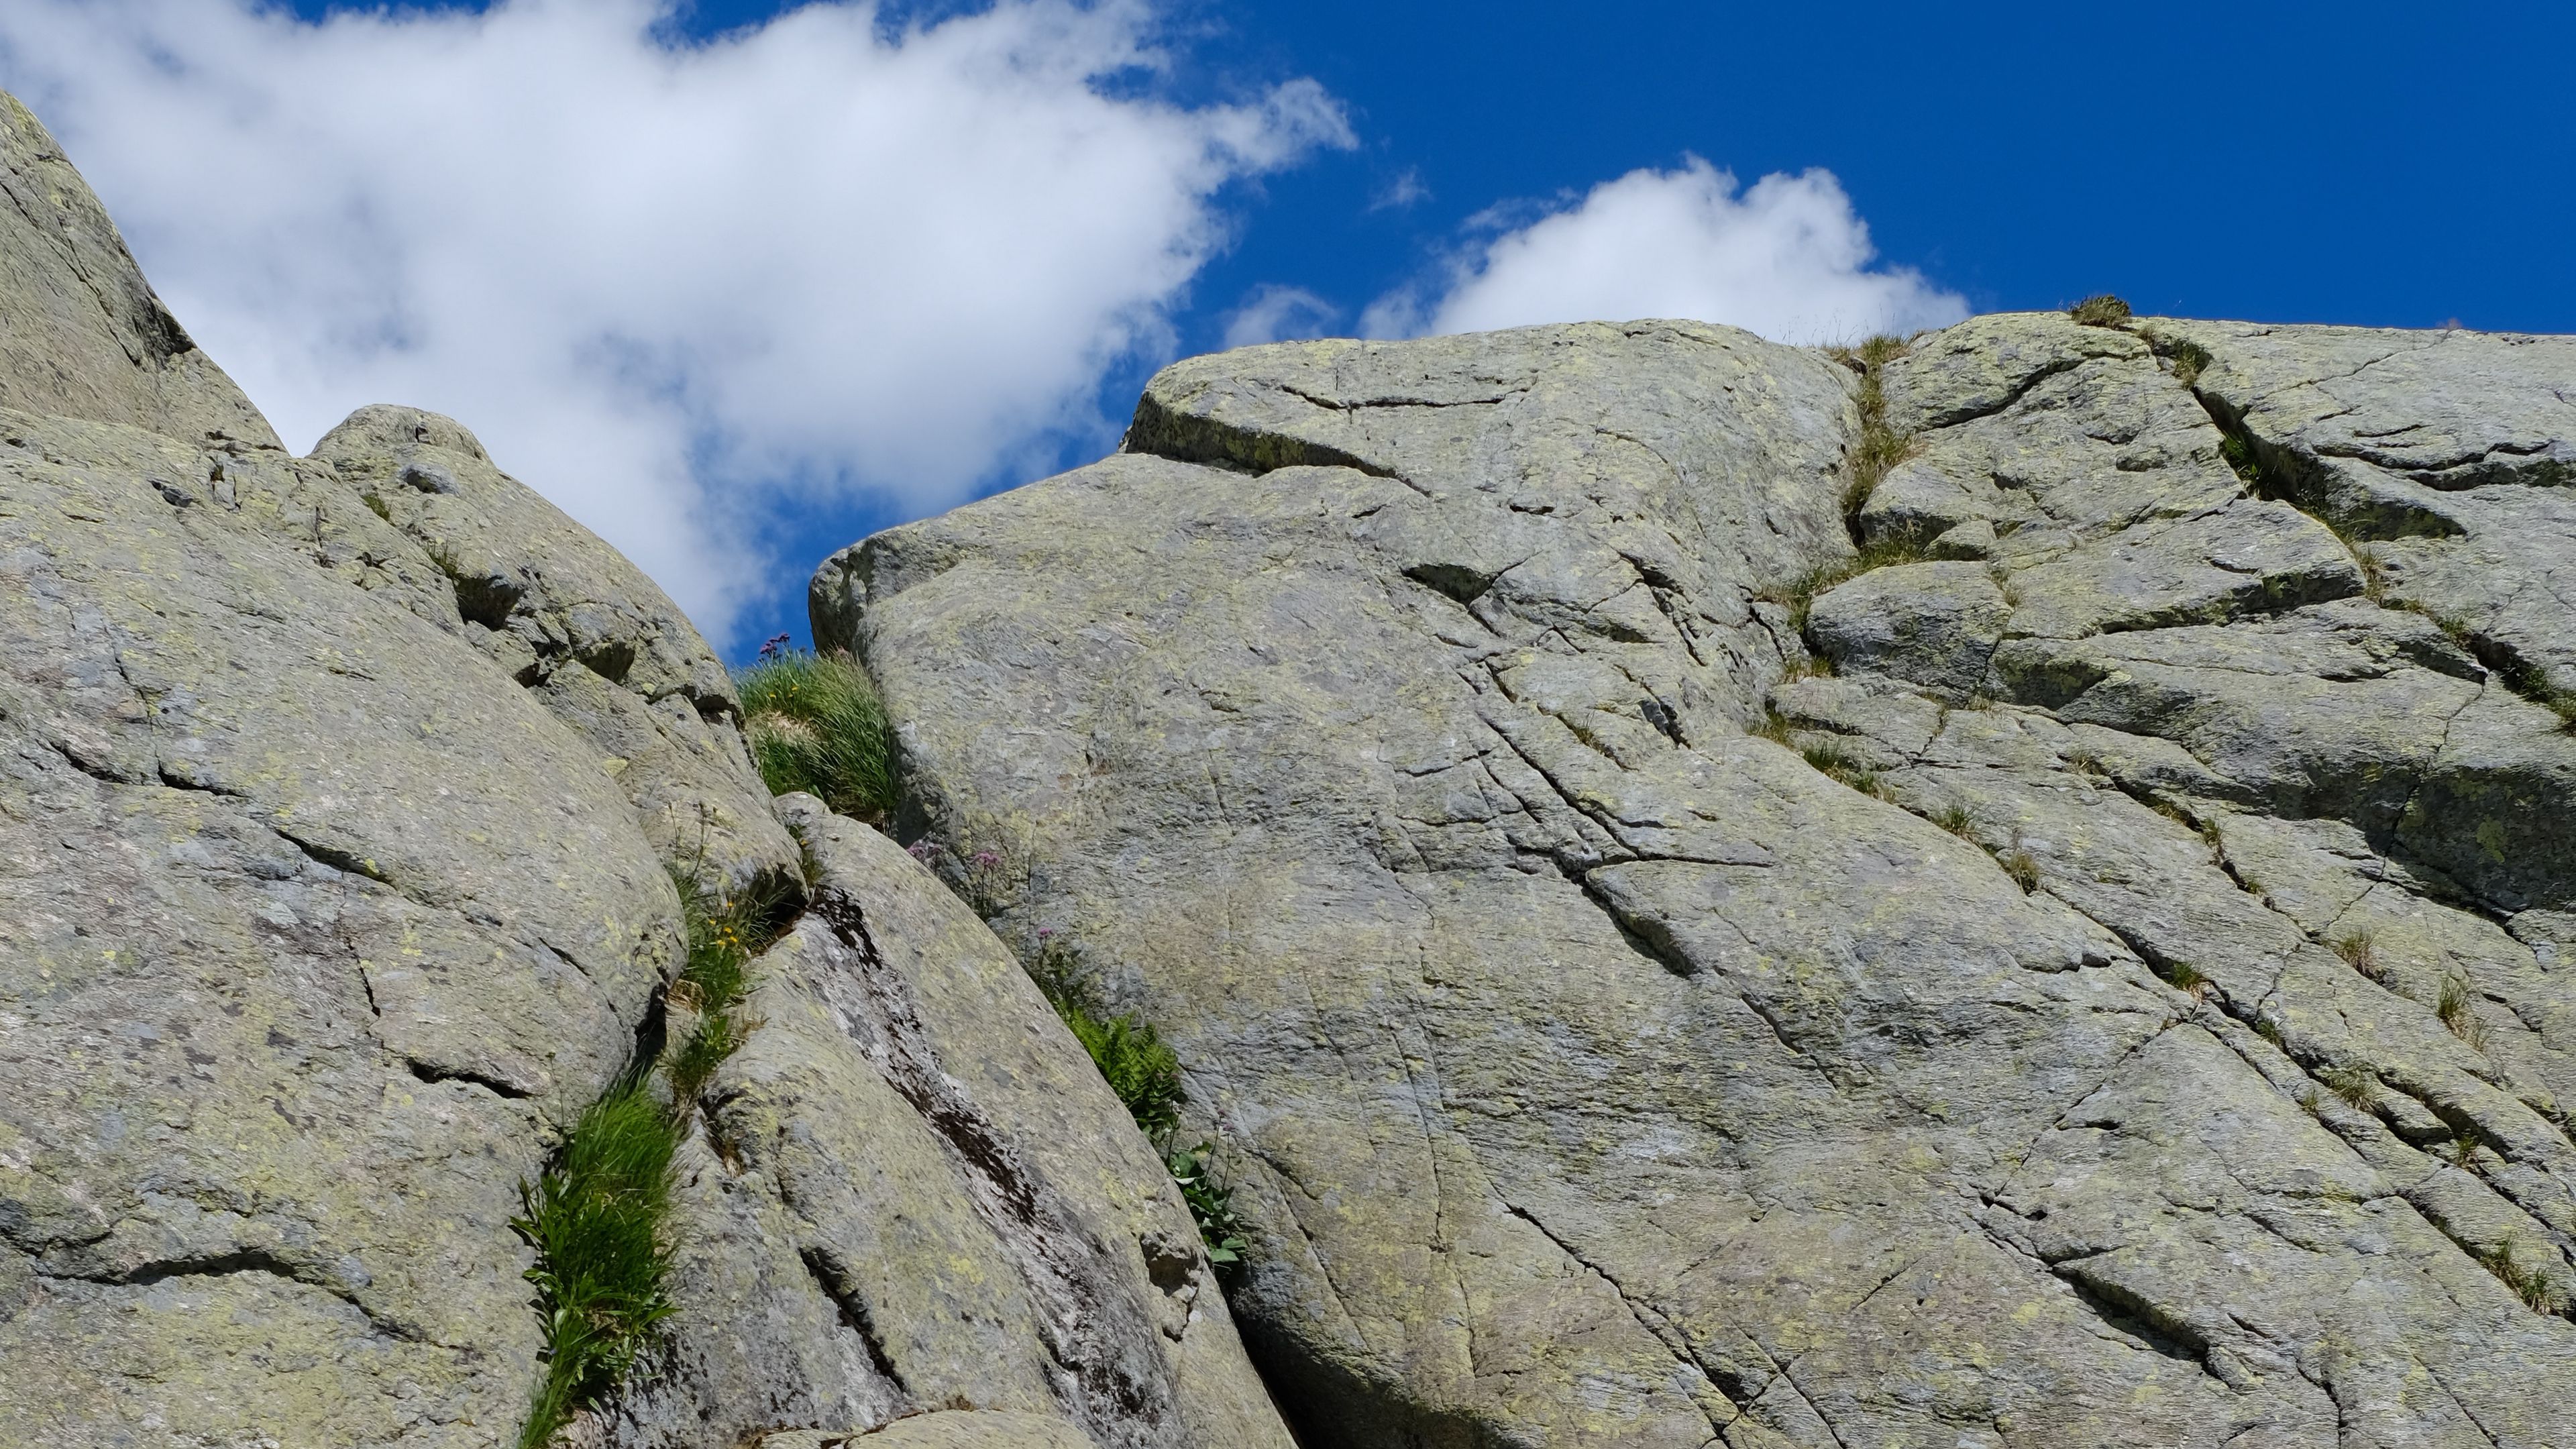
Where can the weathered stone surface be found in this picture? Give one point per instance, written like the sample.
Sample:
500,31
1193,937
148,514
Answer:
1599,1073
317,928
2445,455
81,333
958,1429
913,1190
338,800
566,614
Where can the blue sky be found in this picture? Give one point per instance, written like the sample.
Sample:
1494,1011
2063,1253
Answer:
2356,163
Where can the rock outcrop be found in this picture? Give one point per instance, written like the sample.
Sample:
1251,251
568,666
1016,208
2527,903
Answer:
340,800
2101,975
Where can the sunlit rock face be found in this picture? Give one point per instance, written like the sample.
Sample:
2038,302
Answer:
2071,947
341,799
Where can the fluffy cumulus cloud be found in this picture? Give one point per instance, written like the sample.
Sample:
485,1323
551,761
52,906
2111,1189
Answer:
682,288
1787,258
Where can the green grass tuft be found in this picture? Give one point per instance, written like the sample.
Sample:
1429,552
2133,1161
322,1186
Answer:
2022,866
2356,1084
2187,977
595,1218
2100,310
2360,951
2458,1010
2190,360
2530,1284
816,725
1835,759
595,1221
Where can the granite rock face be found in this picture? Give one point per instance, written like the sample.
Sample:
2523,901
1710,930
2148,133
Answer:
340,798
912,1191
2105,982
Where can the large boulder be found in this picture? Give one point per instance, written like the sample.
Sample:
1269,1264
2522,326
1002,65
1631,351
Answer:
340,800
2132,1009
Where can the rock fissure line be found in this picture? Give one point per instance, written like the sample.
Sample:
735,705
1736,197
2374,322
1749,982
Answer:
828,1276
1003,1191
250,1261
1655,1323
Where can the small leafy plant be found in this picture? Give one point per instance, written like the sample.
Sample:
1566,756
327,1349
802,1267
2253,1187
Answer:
1145,1074
1221,1228
987,878
815,724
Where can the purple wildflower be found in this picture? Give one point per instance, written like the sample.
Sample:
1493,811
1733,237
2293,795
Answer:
987,859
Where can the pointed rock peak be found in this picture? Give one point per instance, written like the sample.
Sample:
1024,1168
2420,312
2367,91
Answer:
81,333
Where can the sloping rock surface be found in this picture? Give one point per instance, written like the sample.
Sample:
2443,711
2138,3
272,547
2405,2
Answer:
913,1191
339,801
2106,983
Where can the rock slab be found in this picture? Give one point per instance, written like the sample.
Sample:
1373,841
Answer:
2105,984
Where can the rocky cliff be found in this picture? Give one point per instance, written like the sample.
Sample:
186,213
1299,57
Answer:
342,801
2016,888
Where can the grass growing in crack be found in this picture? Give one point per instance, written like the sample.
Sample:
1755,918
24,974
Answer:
595,1217
1954,818
1879,447
2357,1085
2100,310
2021,866
2190,360
2458,1010
595,1221
1145,1074
2530,1284
1901,546
2464,1148
2359,949
1832,758
2189,978
815,724
724,933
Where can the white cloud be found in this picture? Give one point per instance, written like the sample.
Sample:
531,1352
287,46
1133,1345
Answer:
679,290
1788,259
1272,312
1405,190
